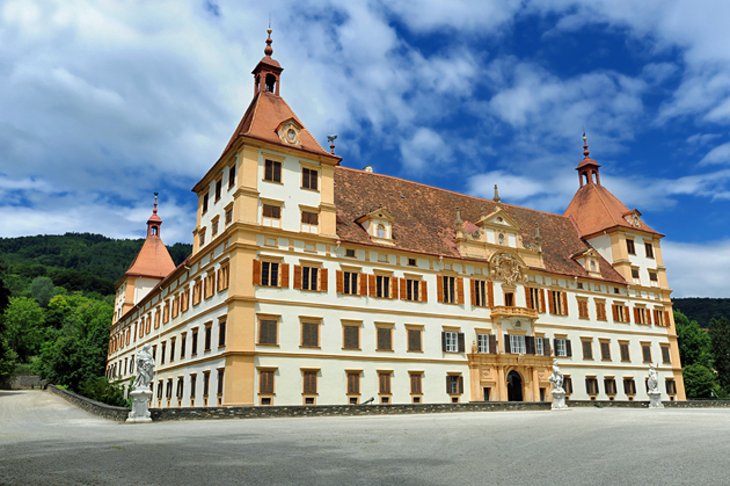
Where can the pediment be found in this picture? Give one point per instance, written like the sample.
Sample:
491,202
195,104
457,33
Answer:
633,217
498,219
380,214
289,131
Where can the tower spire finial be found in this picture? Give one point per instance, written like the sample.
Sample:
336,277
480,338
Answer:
268,50
154,206
586,152
496,197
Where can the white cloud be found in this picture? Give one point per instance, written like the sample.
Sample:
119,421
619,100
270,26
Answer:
718,155
424,149
698,269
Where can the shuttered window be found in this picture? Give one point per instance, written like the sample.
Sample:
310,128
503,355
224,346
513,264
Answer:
646,352
270,274
452,342
385,339
310,334
454,384
582,308
587,348
353,382
624,347
412,289
534,299
671,386
591,386
382,286
309,178
351,336
562,347
350,283
309,382
309,278
267,332
272,171
629,386
479,293
416,383
221,381
221,332
558,301
666,358
620,312
448,285
384,382
609,385
266,382
601,310
605,350
567,384
630,247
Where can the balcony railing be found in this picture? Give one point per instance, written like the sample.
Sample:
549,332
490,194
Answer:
514,311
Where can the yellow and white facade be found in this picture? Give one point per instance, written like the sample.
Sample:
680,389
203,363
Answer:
310,283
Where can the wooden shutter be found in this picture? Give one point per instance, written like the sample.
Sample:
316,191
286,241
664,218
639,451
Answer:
564,297
528,297
459,290
507,344
284,277
340,281
490,293
530,344
323,280
614,312
647,313
256,272
492,344
666,318
440,288
443,341
551,303
462,345
403,293
636,315
473,289
542,300
568,347
423,296
461,384
297,277
394,287
546,346
555,344
372,289
362,280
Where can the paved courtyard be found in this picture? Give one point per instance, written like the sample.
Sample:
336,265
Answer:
45,440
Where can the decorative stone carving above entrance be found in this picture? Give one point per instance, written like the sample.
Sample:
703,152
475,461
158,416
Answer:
507,268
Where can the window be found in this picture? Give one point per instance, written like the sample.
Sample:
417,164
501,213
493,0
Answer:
272,171
629,386
309,179
271,215
646,352
162,352
454,384
671,386
172,350
562,347
583,308
353,383
218,187
641,315
194,343
653,277
587,348
208,332
567,384
540,346
648,250
201,236
416,382
351,336
452,342
268,332
415,343
591,386
206,383
660,317
270,274
350,283
620,312
412,289
509,299
382,286
193,383
666,358
231,176
214,226
624,347
349,253
635,273
384,382
183,342
411,262
630,247
605,350
384,338
483,345
381,232
229,215
197,291
209,285
309,382
609,384
558,301
205,203
448,289
479,293
221,373
223,276
309,278
310,334
517,344
159,390
601,310
310,221
535,299
168,390
221,332
266,382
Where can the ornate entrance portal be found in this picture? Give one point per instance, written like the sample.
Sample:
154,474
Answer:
514,386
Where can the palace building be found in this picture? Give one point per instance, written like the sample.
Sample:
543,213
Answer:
310,283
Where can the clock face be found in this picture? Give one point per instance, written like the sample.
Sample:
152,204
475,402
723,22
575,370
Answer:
291,135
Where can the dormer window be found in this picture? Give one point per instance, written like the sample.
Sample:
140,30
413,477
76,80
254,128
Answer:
379,225
289,131
381,232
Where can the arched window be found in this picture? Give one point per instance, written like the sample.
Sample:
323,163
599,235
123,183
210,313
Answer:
270,83
381,233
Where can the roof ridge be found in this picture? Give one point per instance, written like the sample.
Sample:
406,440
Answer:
547,213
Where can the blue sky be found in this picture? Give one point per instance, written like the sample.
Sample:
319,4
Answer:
105,102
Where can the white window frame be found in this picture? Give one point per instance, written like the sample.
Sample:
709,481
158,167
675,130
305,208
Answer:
539,346
561,348
451,339
517,344
483,343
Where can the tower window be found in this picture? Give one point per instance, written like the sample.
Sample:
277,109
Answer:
381,232
270,83
155,231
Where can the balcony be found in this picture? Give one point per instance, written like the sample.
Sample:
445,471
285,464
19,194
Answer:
513,311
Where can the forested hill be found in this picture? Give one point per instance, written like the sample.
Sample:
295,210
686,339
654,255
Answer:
75,261
703,309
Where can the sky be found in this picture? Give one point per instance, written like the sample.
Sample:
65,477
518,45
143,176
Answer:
104,102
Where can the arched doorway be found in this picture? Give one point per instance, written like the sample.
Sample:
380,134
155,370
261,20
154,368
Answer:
514,386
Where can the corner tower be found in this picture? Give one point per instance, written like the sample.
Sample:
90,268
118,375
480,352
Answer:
152,264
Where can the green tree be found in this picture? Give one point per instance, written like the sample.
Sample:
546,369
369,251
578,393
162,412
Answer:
695,344
699,381
42,290
23,321
720,334
99,388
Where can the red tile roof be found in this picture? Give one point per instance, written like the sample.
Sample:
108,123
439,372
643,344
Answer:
153,260
424,220
594,209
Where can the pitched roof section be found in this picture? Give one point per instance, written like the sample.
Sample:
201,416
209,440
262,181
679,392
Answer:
424,220
594,209
153,260
264,115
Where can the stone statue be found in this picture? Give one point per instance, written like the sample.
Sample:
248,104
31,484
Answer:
557,377
141,393
145,368
655,396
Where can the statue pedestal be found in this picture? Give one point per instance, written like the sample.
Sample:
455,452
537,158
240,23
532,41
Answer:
140,412
655,399
558,400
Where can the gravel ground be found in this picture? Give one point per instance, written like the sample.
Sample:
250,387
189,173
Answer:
45,440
